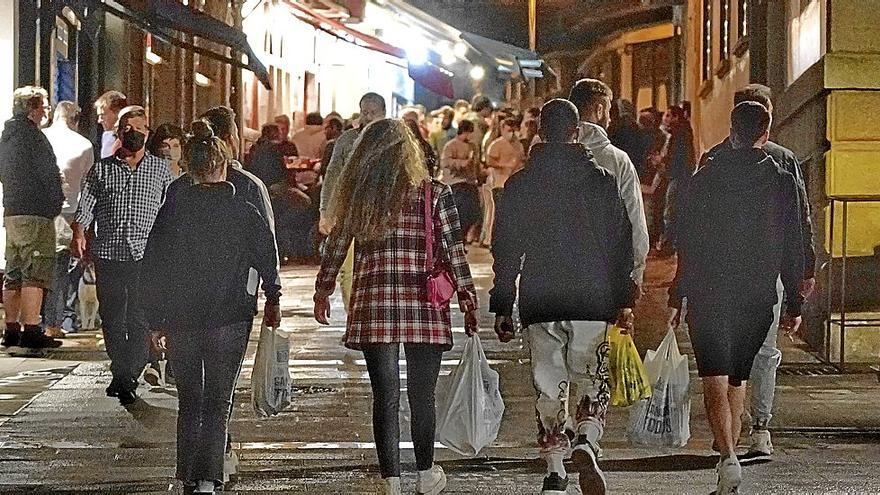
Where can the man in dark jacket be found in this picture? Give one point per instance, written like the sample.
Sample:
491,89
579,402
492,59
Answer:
763,376
564,214
741,214
32,198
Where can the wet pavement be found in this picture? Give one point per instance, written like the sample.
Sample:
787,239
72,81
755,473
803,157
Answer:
60,433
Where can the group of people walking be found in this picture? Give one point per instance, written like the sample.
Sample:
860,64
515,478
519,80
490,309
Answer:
180,243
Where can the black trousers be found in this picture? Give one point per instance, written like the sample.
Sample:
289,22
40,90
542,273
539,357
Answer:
124,323
422,369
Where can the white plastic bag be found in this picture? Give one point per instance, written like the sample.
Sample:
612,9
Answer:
270,381
663,420
469,404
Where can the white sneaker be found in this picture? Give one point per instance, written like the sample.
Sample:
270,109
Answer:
729,476
591,478
432,481
390,486
760,443
205,487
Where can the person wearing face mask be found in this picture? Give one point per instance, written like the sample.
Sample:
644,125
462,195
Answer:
122,195
167,142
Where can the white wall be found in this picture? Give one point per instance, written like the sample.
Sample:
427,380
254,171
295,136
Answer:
8,57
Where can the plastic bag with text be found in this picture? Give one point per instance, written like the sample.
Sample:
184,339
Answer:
270,382
629,379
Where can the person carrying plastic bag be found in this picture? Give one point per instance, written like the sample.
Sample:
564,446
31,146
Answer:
629,380
564,215
469,403
663,420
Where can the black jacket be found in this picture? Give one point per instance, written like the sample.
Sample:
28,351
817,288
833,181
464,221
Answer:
786,159
245,188
564,214
29,171
199,256
741,230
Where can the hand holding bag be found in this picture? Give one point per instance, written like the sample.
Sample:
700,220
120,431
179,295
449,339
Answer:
439,286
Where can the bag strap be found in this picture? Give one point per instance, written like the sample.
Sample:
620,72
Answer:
429,229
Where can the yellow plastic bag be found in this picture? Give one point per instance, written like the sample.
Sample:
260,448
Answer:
629,380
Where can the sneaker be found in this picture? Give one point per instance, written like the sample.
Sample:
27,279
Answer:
729,476
432,481
205,487
555,485
11,338
760,442
390,486
36,340
592,480
127,397
152,375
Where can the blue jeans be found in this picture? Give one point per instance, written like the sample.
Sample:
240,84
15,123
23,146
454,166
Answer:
206,366
763,375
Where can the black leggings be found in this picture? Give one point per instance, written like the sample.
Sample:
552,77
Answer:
422,368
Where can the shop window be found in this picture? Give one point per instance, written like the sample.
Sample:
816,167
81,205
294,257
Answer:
806,22
707,40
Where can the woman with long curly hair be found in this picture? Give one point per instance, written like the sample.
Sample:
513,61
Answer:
381,206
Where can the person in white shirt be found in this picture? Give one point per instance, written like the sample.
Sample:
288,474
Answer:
75,155
108,106
592,98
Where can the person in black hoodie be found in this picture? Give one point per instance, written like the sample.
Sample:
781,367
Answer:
198,260
32,198
741,216
563,214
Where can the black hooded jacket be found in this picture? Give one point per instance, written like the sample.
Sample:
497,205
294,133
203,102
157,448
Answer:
29,171
564,215
741,228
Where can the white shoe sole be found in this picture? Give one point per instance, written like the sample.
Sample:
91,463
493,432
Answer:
591,479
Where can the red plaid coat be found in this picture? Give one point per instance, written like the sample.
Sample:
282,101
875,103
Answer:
389,302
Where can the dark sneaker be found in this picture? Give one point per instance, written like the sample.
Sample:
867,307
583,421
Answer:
554,485
112,390
11,338
127,397
591,480
36,340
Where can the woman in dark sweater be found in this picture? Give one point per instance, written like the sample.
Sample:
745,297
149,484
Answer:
203,294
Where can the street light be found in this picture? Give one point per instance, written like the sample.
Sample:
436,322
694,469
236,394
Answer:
460,49
478,73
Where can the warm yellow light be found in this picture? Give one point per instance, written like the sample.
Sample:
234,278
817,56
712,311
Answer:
478,73
202,80
152,57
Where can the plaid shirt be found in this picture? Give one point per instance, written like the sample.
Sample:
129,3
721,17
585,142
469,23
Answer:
389,302
123,203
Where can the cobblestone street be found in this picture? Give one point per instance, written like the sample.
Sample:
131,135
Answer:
60,433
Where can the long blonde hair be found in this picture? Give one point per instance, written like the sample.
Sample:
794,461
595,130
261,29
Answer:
376,183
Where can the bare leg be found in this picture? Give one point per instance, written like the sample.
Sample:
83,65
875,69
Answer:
715,393
12,305
736,397
31,301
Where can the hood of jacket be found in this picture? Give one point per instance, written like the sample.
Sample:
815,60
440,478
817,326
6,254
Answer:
593,136
743,171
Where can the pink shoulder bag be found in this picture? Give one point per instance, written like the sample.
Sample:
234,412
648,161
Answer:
440,286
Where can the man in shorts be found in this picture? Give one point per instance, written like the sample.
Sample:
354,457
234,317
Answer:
742,217
32,198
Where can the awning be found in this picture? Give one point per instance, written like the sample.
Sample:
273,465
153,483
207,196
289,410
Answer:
434,78
509,59
162,18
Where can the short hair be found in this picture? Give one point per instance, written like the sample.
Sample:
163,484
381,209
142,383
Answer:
335,121
511,122
534,112
112,100
127,114
68,112
465,126
314,118
270,132
480,103
754,92
586,91
461,104
558,118
28,98
374,98
749,121
443,111
163,132
282,118
222,120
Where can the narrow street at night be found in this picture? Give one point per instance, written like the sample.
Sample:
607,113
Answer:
60,433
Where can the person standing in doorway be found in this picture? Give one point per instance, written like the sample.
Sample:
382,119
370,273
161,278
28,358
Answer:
380,206
75,156
122,195
562,231
108,106
593,100
763,375
742,217
32,198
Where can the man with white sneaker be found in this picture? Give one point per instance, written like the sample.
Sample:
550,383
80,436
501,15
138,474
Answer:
562,228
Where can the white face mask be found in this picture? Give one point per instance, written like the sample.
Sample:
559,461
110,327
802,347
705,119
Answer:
175,154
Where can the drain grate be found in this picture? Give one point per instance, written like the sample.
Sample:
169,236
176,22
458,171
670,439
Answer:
808,369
